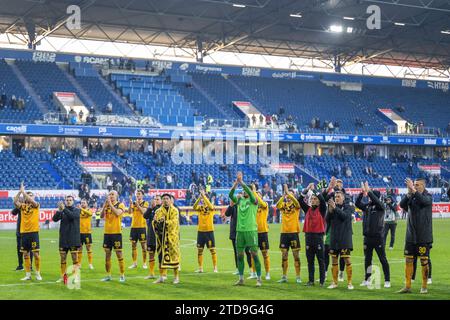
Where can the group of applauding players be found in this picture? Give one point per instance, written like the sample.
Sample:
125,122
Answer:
160,236
328,231
329,214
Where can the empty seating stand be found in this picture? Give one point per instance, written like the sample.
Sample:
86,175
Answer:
10,85
154,96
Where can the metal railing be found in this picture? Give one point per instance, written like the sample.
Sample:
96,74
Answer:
417,130
103,119
245,124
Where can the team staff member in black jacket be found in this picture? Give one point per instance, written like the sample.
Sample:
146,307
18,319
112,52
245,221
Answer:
151,240
419,230
373,224
339,217
69,233
314,229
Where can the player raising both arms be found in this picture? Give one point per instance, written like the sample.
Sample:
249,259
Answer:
263,229
138,228
205,234
419,231
246,229
290,229
112,212
314,229
339,218
29,230
85,232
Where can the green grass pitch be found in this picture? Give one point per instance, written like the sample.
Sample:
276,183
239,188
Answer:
210,285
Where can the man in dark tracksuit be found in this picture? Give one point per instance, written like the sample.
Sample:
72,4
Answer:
328,193
419,230
373,224
151,239
69,233
16,212
232,213
314,229
339,217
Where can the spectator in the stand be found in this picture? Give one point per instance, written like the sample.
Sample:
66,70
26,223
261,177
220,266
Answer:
330,126
72,116
21,104
410,168
81,115
150,148
84,153
254,120
13,102
99,147
336,126
261,120
109,107
109,183
3,100
348,172
158,180
275,119
121,63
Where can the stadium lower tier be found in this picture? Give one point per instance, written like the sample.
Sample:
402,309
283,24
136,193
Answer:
64,170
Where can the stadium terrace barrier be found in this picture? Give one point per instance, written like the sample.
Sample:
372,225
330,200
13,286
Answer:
186,133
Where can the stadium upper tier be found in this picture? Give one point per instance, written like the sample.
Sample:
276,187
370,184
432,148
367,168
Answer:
181,98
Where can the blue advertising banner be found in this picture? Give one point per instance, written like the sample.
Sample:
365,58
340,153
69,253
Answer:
195,134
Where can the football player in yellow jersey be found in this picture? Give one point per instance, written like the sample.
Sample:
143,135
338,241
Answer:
29,230
85,232
263,230
290,229
112,213
205,234
138,227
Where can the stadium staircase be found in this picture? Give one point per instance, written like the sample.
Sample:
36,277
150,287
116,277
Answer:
77,86
99,89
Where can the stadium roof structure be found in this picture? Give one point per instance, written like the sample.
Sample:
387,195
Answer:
413,33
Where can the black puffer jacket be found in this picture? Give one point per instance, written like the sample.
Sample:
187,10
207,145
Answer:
69,229
232,213
373,215
419,226
340,222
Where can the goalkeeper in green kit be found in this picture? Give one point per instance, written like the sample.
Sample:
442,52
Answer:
247,229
